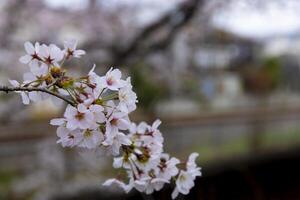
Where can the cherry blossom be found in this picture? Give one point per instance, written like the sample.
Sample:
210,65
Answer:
68,138
79,117
91,139
127,98
184,183
112,80
51,54
32,53
97,118
168,167
186,178
70,49
97,110
121,184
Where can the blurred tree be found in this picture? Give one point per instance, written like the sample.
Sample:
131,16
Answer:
148,90
264,79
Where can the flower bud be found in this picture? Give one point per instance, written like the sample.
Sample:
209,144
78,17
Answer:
48,79
56,72
65,82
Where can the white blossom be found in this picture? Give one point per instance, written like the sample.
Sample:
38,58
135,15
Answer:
192,166
117,121
68,138
120,184
184,183
155,184
112,80
186,178
116,141
97,118
127,98
97,110
70,49
168,167
78,118
91,139
51,54
32,53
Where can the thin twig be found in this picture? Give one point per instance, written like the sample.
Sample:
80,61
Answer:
31,89
52,84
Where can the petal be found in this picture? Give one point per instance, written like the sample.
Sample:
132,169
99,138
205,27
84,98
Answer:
92,70
34,96
25,59
118,162
174,160
142,127
70,111
96,108
38,70
28,77
156,124
123,124
82,108
14,83
78,53
124,139
72,125
193,157
62,132
175,193
37,47
29,48
116,73
44,51
25,98
56,53
57,121
191,163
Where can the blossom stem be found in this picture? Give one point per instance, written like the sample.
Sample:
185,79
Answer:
31,89
52,84
70,93
110,97
100,93
27,84
63,61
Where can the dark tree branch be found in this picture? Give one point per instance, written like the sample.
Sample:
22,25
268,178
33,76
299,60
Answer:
31,89
175,19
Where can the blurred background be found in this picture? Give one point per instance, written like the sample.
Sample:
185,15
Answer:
223,76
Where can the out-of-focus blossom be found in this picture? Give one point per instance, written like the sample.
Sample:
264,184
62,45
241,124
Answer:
24,96
186,178
32,53
51,54
70,49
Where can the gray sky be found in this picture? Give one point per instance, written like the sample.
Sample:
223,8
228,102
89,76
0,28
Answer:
275,19
240,18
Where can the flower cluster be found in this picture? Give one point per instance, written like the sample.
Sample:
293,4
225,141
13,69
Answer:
97,117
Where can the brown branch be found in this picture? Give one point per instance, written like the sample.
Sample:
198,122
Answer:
145,41
185,11
31,89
